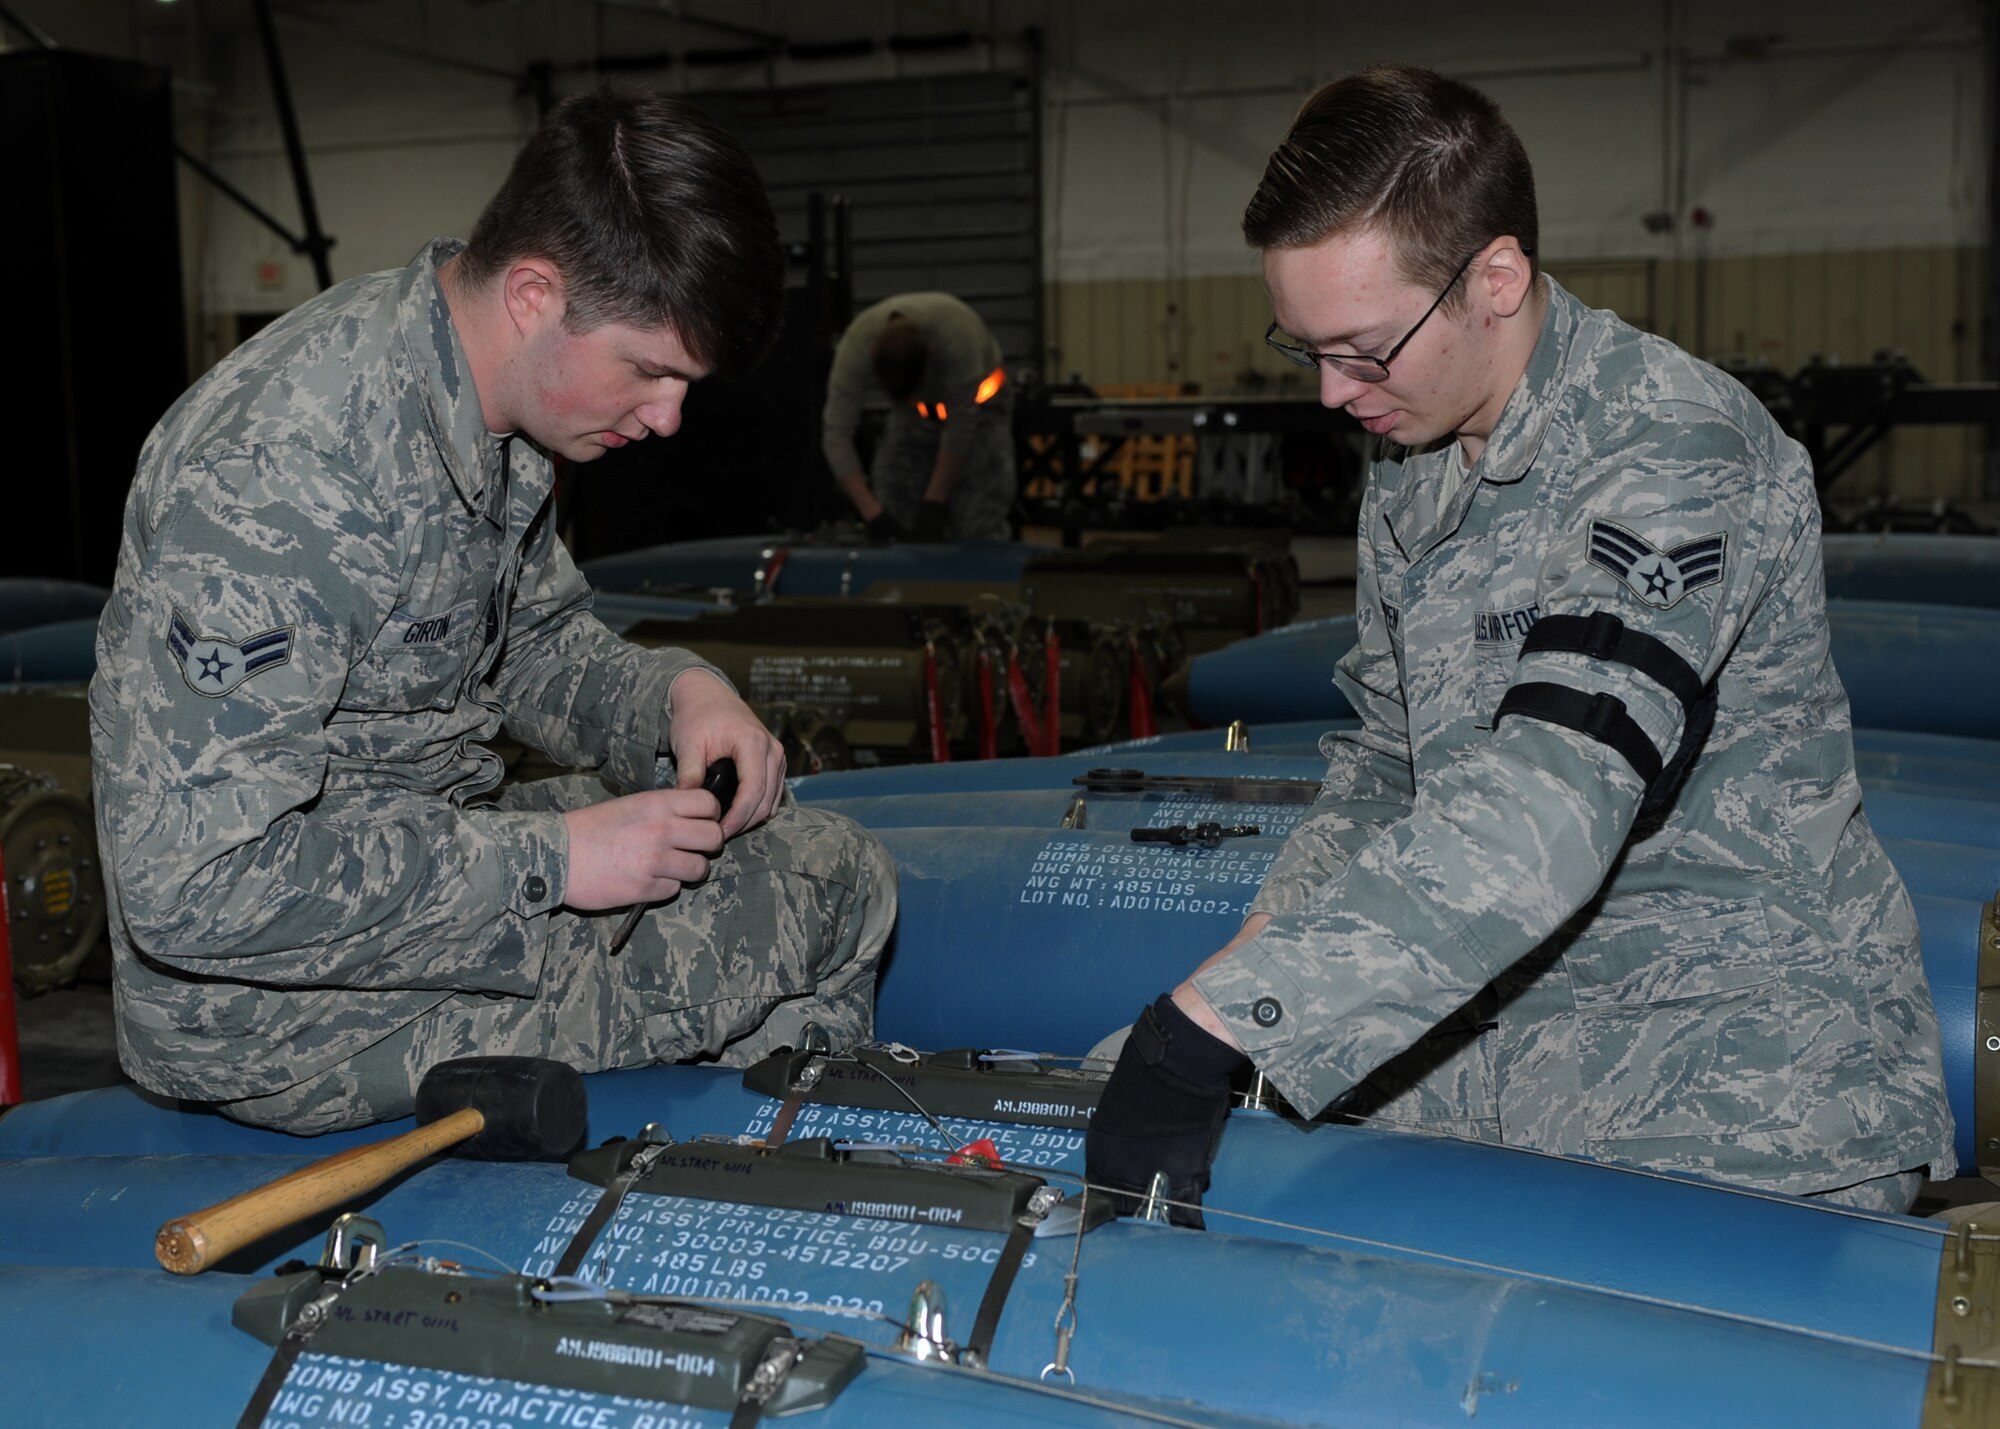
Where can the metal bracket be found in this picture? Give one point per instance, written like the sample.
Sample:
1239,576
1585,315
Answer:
923,1334
353,1242
1964,1388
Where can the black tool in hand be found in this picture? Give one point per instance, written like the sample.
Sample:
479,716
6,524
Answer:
720,780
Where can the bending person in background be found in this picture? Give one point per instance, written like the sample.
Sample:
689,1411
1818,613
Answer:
340,581
1593,876
945,466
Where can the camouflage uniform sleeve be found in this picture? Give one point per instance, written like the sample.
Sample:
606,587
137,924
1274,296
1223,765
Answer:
846,386
1512,839
573,689
238,845
1368,783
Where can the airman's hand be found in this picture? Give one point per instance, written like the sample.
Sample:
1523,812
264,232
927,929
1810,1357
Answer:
711,723
641,848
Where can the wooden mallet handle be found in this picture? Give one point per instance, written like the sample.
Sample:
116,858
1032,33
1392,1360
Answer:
193,1242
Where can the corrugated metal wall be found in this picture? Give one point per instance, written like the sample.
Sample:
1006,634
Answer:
941,176
1924,303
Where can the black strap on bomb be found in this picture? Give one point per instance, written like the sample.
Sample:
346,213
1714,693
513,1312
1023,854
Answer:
290,1346
986,1324
607,1206
1604,718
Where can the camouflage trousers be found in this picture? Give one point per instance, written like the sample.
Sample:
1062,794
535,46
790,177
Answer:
788,928
1895,1193
982,501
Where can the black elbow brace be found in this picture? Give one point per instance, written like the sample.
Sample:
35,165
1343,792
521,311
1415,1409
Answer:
1604,718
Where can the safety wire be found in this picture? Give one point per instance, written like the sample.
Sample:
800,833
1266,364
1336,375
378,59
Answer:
557,1290
1067,1310
1539,1277
573,1288
906,1056
407,1254
1064,1333
1468,1263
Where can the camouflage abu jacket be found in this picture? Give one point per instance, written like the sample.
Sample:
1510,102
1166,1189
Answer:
1479,923
334,589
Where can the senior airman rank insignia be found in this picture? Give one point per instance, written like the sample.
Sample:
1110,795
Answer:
213,666
1657,577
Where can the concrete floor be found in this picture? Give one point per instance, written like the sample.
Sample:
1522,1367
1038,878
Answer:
67,1044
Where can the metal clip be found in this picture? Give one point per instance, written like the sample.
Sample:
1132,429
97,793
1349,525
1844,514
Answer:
1060,1364
1064,1332
1260,1097
779,1360
923,1335
1237,740
1154,1207
648,1156
353,1242
1075,816
311,1316
812,1038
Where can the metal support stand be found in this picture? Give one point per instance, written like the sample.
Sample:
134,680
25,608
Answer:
315,242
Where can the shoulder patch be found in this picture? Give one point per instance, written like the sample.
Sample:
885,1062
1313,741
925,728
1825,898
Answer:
213,666
1660,578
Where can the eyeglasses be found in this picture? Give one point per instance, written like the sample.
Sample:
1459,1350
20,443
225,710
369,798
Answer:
1359,366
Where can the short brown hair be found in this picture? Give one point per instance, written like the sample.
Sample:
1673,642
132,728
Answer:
1427,160
653,214
901,355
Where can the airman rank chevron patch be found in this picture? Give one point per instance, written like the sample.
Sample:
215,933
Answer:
1659,578
213,666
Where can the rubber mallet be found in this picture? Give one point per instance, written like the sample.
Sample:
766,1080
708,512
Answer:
488,1108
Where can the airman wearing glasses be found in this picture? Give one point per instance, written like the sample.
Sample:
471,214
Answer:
1593,876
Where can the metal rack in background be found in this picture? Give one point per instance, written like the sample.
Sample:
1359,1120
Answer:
1837,412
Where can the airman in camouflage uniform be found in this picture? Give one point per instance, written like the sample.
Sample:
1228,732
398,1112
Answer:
339,581
1593,876
945,463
